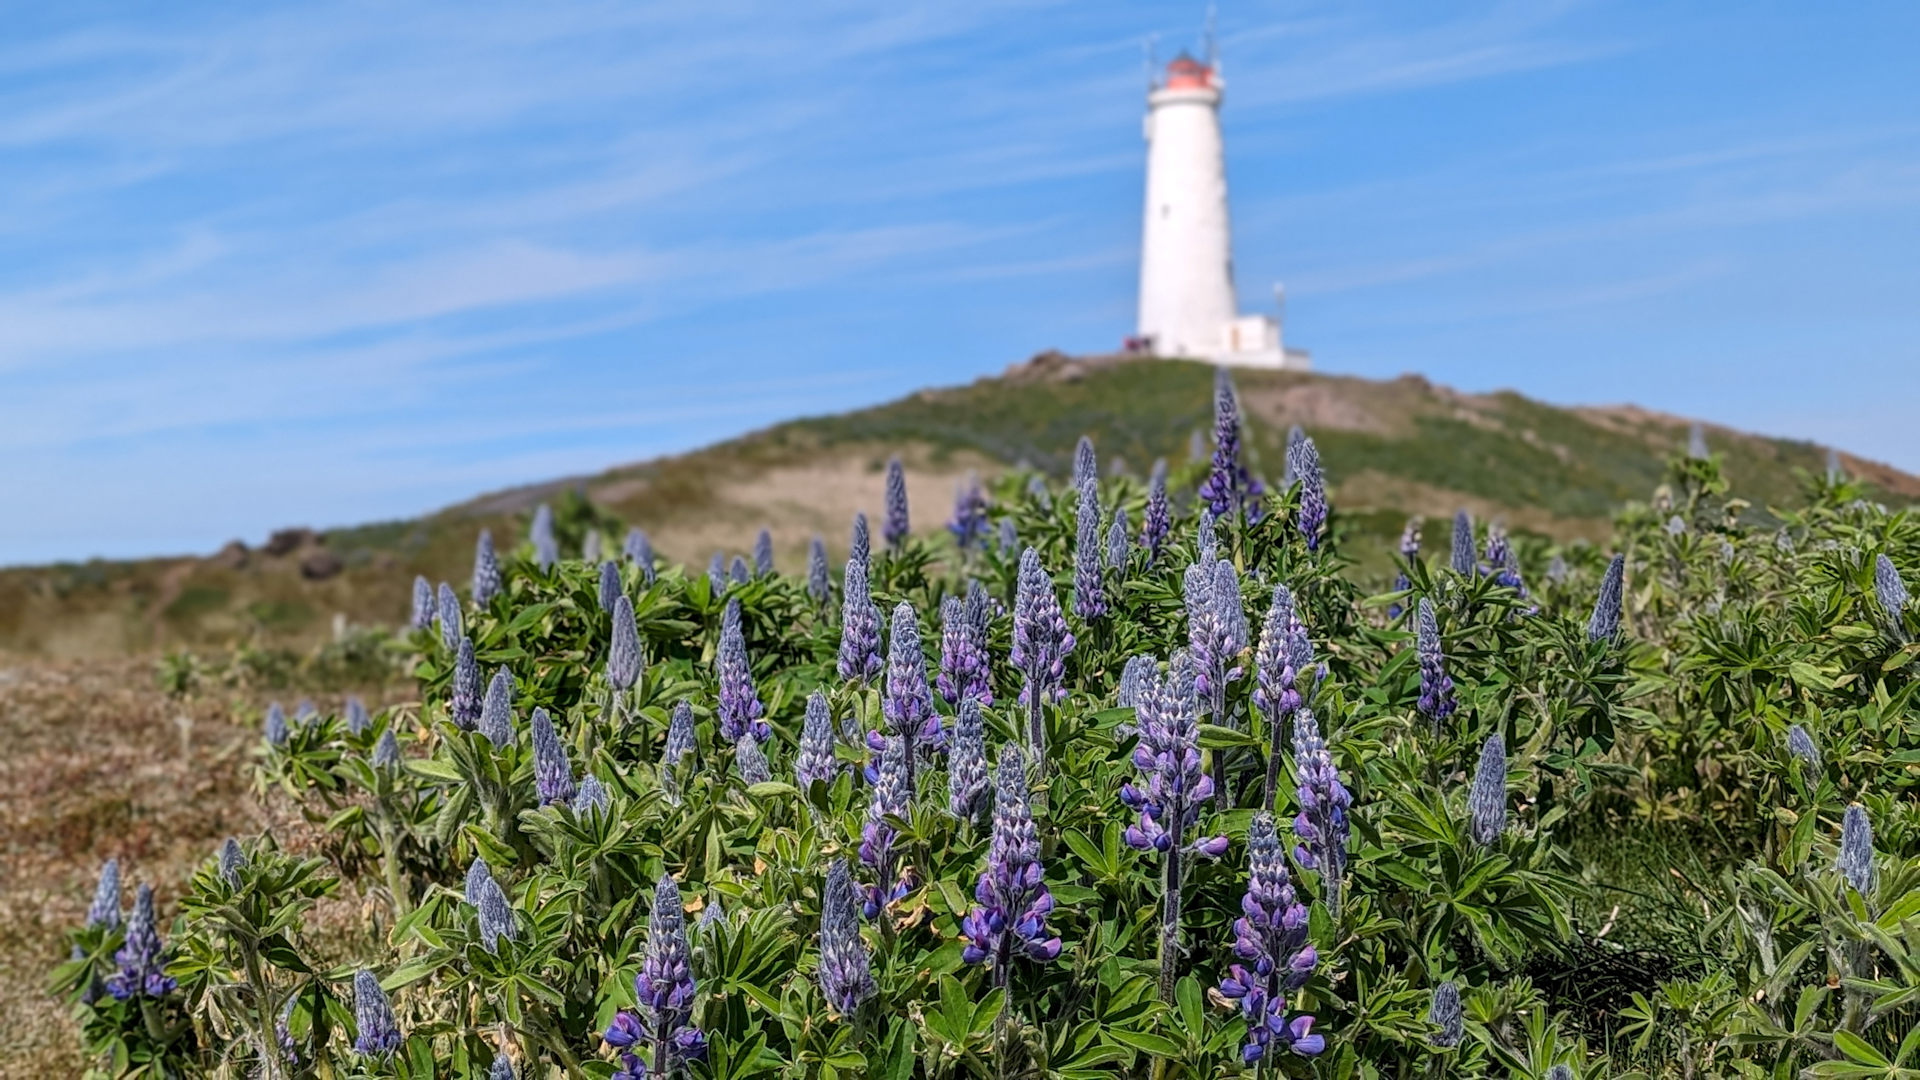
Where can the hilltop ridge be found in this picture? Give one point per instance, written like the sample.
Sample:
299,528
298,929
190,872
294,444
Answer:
1392,448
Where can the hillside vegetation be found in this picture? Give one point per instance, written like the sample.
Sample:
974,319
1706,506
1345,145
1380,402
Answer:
1391,449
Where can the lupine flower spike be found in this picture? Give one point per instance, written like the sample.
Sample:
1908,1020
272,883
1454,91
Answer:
661,1025
1487,799
448,612
1800,745
591,797
386,752
889,798
1215,631
819,577
275,725
1436,686
1011,919
552,771
464,704
232,862
105,909
590,546
141,957
751,762
859,626
816,760
1697,442
423,604
377,1032
358,721
1157,523
1890,591
1134,680
1228,488
861,550
967,781
969,524
897,524
546,547
1283,666
1272,952
908,703
486,570
609,584
846,976
501,1069
1321,827
639,549
740,708
679,747
1041,643
1303,459
737,572
494,912
1461,557
1089,592
623,654
964,669
1856,852
763,554
496,713
1085,465
1449,1025
1604,624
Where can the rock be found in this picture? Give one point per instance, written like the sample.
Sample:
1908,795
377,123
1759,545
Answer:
320,564
287,541
233,556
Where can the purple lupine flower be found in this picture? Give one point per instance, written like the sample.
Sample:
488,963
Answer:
1173,785
1011,919
1041,643
386,751
623,654
1275,957
661,1024
486,570
304,711
423,604
1444,1014
494,912
590,546
819,577
142,956
1206,545
679,747
740,708
1604,624
1089,592
969,524
1283,666
1502,561
1800,745
1888,588
816,760
1561,1072
1157,524
737,572
591,797
1855,862
1215,631
546,547
496,713
750,761
552,771
908,702
1009,538
1085,465
1461,557
232,860
610,591
464,705
967,782
846,976
963,653
1295,436
859,626
478,874
897,525
1557,568
1697,442
1487,799
861,548
639,550
1134,680
452,627
1436,686
357,719
377,1032
1229,488
275,725
890,797
763,554
1303,458
1118,542
717,573
105,909
501,1069
1321,828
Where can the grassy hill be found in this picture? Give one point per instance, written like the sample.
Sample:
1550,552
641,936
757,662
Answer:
1391,449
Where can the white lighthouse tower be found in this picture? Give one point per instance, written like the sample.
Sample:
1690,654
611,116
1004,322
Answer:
1187,306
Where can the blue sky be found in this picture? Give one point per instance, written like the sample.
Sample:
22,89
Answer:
265,265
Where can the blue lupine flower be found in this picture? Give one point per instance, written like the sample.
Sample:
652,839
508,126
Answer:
610,591
496,713
897,525
1888,588
845,974
890,797
660,1028
717,573
737,571
1173,786
1205,544
1557,569
969,524
679,747
1009,538
964,668
861,549
1303,459
623,654
1321,828
1085,466
1697,442
452,626
1436,686
908,702
591,797
494,912
423,604
819,576
386,751
1856,852
552,771
740,708
750,761
1444,1014
1118,542
275,725
590,546
639,550
1215,631
1089,593
357,719
967,781
377,1031
1502,561
1157,524
1487,799
1041,643
142,956
1285,674
501,1069
1228,488
859,626
1604,624
105,909
816,760
546,547
1800,745
1461,557
486,570
463,707
1272,952
232,861
1011,919
1135,679
763,554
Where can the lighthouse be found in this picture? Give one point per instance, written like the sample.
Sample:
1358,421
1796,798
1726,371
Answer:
1187,303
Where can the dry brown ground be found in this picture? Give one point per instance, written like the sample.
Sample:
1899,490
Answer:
98,762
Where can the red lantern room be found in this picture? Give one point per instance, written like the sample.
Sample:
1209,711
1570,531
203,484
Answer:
1186,73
